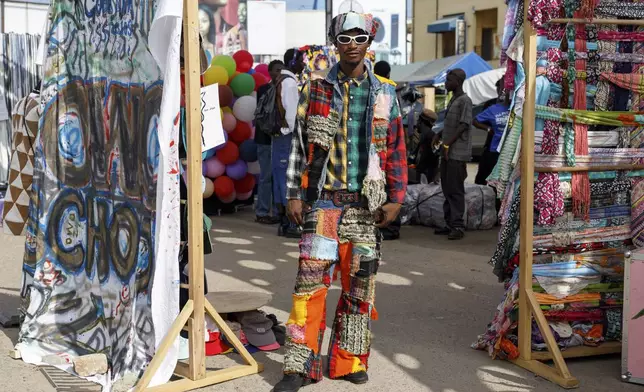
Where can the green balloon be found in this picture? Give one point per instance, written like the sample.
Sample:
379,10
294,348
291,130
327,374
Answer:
227,62
242,85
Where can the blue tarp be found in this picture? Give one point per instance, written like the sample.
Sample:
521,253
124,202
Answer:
434,72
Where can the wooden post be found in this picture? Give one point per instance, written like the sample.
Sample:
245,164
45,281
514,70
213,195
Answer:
192,317
429,99
527,189
195,197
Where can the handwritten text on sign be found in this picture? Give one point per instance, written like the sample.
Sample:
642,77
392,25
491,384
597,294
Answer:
212,132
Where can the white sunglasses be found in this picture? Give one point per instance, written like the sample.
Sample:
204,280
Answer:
358,39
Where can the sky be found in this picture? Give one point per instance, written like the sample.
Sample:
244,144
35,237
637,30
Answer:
294,5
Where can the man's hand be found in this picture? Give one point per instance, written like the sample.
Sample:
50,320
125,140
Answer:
445,153
295,211
436,139
387,214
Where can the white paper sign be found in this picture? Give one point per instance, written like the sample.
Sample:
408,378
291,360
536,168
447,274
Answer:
212,131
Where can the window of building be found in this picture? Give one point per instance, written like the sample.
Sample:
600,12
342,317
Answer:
487,44
449,43
486,34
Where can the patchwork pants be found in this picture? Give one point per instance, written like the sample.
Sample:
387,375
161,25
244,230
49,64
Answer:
336,240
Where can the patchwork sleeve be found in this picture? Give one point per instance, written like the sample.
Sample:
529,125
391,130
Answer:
396,165
297,157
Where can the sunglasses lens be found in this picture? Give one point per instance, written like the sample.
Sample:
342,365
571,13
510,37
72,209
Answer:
362,39
344,39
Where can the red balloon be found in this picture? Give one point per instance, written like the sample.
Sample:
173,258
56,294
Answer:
241,133
225,96
224,186
244,61
245,185
229,153
260,80
263,69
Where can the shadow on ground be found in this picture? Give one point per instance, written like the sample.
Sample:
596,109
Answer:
433,298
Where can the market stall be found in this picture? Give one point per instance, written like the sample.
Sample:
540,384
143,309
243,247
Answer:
571,205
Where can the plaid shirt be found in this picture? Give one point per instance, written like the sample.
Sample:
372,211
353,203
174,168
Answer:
349,155
317,95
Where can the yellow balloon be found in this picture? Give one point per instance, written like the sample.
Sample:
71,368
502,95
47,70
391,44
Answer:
215,74
226,109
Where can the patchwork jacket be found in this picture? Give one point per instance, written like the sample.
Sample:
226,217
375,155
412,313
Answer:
319,119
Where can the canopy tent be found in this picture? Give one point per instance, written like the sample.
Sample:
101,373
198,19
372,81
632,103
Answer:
482,87
435,72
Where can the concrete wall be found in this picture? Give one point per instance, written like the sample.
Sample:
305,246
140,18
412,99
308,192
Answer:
424,44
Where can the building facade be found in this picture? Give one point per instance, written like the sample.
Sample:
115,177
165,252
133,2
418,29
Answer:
442,28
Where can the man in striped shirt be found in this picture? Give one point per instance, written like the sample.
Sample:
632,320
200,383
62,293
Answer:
346,179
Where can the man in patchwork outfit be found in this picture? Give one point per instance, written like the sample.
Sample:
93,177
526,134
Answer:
347,178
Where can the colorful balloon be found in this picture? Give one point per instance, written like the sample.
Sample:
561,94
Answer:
214,168
215,74
224,186
254,168
228,154
248,151
227,62
241,132
260,80
246,184
237,170
209,188
228,199
242,85
244,108
229,122
227,109
263,69
244,196
225,95
244,60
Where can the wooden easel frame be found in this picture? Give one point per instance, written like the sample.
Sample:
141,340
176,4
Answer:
192,316
528,304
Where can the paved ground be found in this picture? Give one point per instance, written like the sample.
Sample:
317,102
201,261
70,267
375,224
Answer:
433,298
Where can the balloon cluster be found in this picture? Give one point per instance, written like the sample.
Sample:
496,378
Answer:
230,170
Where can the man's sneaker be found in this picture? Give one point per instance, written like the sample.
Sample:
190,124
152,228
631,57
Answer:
456,234
357,378
291,383
443,231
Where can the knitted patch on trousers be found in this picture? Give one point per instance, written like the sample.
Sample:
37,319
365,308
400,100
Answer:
355,336
321,130
357,226
314,246
296,333
363,289
310,276
298,358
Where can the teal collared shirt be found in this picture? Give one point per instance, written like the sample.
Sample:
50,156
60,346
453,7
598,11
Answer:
349,154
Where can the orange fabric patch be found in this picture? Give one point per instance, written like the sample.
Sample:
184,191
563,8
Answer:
315,310
328,223
345,253
347,363
374,314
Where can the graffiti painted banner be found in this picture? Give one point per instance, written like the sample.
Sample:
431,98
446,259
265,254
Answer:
100,266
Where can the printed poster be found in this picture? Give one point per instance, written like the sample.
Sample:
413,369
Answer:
222,24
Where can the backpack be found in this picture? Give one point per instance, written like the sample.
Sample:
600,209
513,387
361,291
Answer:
269,116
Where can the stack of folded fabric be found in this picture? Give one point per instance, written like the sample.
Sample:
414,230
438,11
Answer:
590,100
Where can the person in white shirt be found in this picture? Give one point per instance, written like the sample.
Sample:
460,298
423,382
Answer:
287,101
